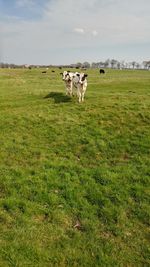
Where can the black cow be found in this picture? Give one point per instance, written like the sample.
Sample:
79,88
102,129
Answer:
44,71
53,71
101,71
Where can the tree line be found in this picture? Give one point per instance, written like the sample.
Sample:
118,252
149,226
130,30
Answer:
109,63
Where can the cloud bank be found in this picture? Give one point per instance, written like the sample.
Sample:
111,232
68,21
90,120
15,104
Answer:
60,32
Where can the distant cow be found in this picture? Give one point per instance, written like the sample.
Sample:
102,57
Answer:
101,71
53,71
44,71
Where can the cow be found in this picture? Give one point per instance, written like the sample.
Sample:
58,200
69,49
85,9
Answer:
74,77
101,71
44,71
82,86
76,83
53,71
67,79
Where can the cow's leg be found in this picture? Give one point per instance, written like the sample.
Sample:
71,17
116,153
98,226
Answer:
82,97
79,95
67,91
71,89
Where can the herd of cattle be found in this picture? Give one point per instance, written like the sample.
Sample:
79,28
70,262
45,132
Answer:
76,83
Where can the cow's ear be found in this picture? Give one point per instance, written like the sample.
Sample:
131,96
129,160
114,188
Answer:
85,75
61,73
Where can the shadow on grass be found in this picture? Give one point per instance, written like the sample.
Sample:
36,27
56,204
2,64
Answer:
58,97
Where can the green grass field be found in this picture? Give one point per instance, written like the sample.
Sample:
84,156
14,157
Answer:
74,177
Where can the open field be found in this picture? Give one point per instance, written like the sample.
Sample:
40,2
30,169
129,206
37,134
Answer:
74,177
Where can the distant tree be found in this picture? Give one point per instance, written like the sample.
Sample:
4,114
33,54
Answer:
113,63
101,64
4,65
94,65
122,64
133,64
86,65
78,65
118,64
137,65
12,66
146,64
107,63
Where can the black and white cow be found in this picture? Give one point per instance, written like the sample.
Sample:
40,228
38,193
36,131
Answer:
82,86
101,71
76,84
67,79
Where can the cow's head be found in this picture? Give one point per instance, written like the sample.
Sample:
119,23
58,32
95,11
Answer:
82,78
65,75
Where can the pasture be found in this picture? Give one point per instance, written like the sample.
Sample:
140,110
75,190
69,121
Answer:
74,177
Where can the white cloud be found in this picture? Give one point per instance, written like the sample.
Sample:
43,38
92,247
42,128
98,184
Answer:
95,33
52,38
79,30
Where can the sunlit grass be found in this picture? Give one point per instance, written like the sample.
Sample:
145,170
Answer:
74,177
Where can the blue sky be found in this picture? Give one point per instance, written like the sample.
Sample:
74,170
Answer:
22,9
70,31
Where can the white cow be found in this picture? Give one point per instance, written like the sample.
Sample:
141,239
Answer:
71,80
82,85
66,77
76,84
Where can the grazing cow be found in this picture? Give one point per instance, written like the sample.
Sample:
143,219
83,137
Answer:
82,85
44,71
53,71
102,71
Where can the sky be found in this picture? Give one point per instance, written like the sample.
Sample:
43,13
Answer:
71,31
